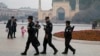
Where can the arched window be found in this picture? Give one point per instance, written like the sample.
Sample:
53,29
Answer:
60,13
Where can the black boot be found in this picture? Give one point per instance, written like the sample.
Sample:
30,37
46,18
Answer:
64,52
43,52
36,53
23,53
55,52
74,52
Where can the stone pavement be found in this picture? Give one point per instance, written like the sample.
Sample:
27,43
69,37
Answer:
9,47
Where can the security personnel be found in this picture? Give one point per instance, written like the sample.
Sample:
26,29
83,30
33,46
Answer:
48,36
68,37
37,28
31,37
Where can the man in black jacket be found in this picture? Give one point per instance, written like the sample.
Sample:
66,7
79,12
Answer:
14,28
68,37
31,37
37,28
48,36
9,26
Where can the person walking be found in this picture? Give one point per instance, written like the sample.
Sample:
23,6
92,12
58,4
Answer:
48,36
23,30
31,37
9,26
68,37
37,28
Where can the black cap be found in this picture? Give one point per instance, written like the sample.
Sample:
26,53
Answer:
37,21
30,17
12,17
68,22
46,18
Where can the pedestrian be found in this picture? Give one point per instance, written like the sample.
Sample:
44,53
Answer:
37,28
94,25
9,26
14,28
31,37
23,30
48,36
68,37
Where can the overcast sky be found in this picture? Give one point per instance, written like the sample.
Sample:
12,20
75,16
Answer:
46,4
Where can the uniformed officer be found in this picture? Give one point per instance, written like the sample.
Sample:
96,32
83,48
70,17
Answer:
68,37
31,37
48,36
37,28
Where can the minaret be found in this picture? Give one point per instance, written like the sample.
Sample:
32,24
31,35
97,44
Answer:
77,5
39,10
39,5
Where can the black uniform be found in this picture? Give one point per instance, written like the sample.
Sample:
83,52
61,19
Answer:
31,38
48,39
37,29
68,37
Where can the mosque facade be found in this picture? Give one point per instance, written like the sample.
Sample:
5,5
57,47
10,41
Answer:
61,10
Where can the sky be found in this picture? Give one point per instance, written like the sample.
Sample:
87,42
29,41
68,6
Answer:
15,4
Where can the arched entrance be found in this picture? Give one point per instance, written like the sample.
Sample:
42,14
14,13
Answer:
60,13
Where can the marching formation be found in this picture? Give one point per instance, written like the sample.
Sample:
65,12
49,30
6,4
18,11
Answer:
33,30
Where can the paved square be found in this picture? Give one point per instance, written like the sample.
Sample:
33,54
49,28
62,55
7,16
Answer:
9,47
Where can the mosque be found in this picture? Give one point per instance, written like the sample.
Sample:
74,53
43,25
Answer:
61,10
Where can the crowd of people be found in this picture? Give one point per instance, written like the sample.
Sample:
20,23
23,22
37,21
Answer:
33,30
